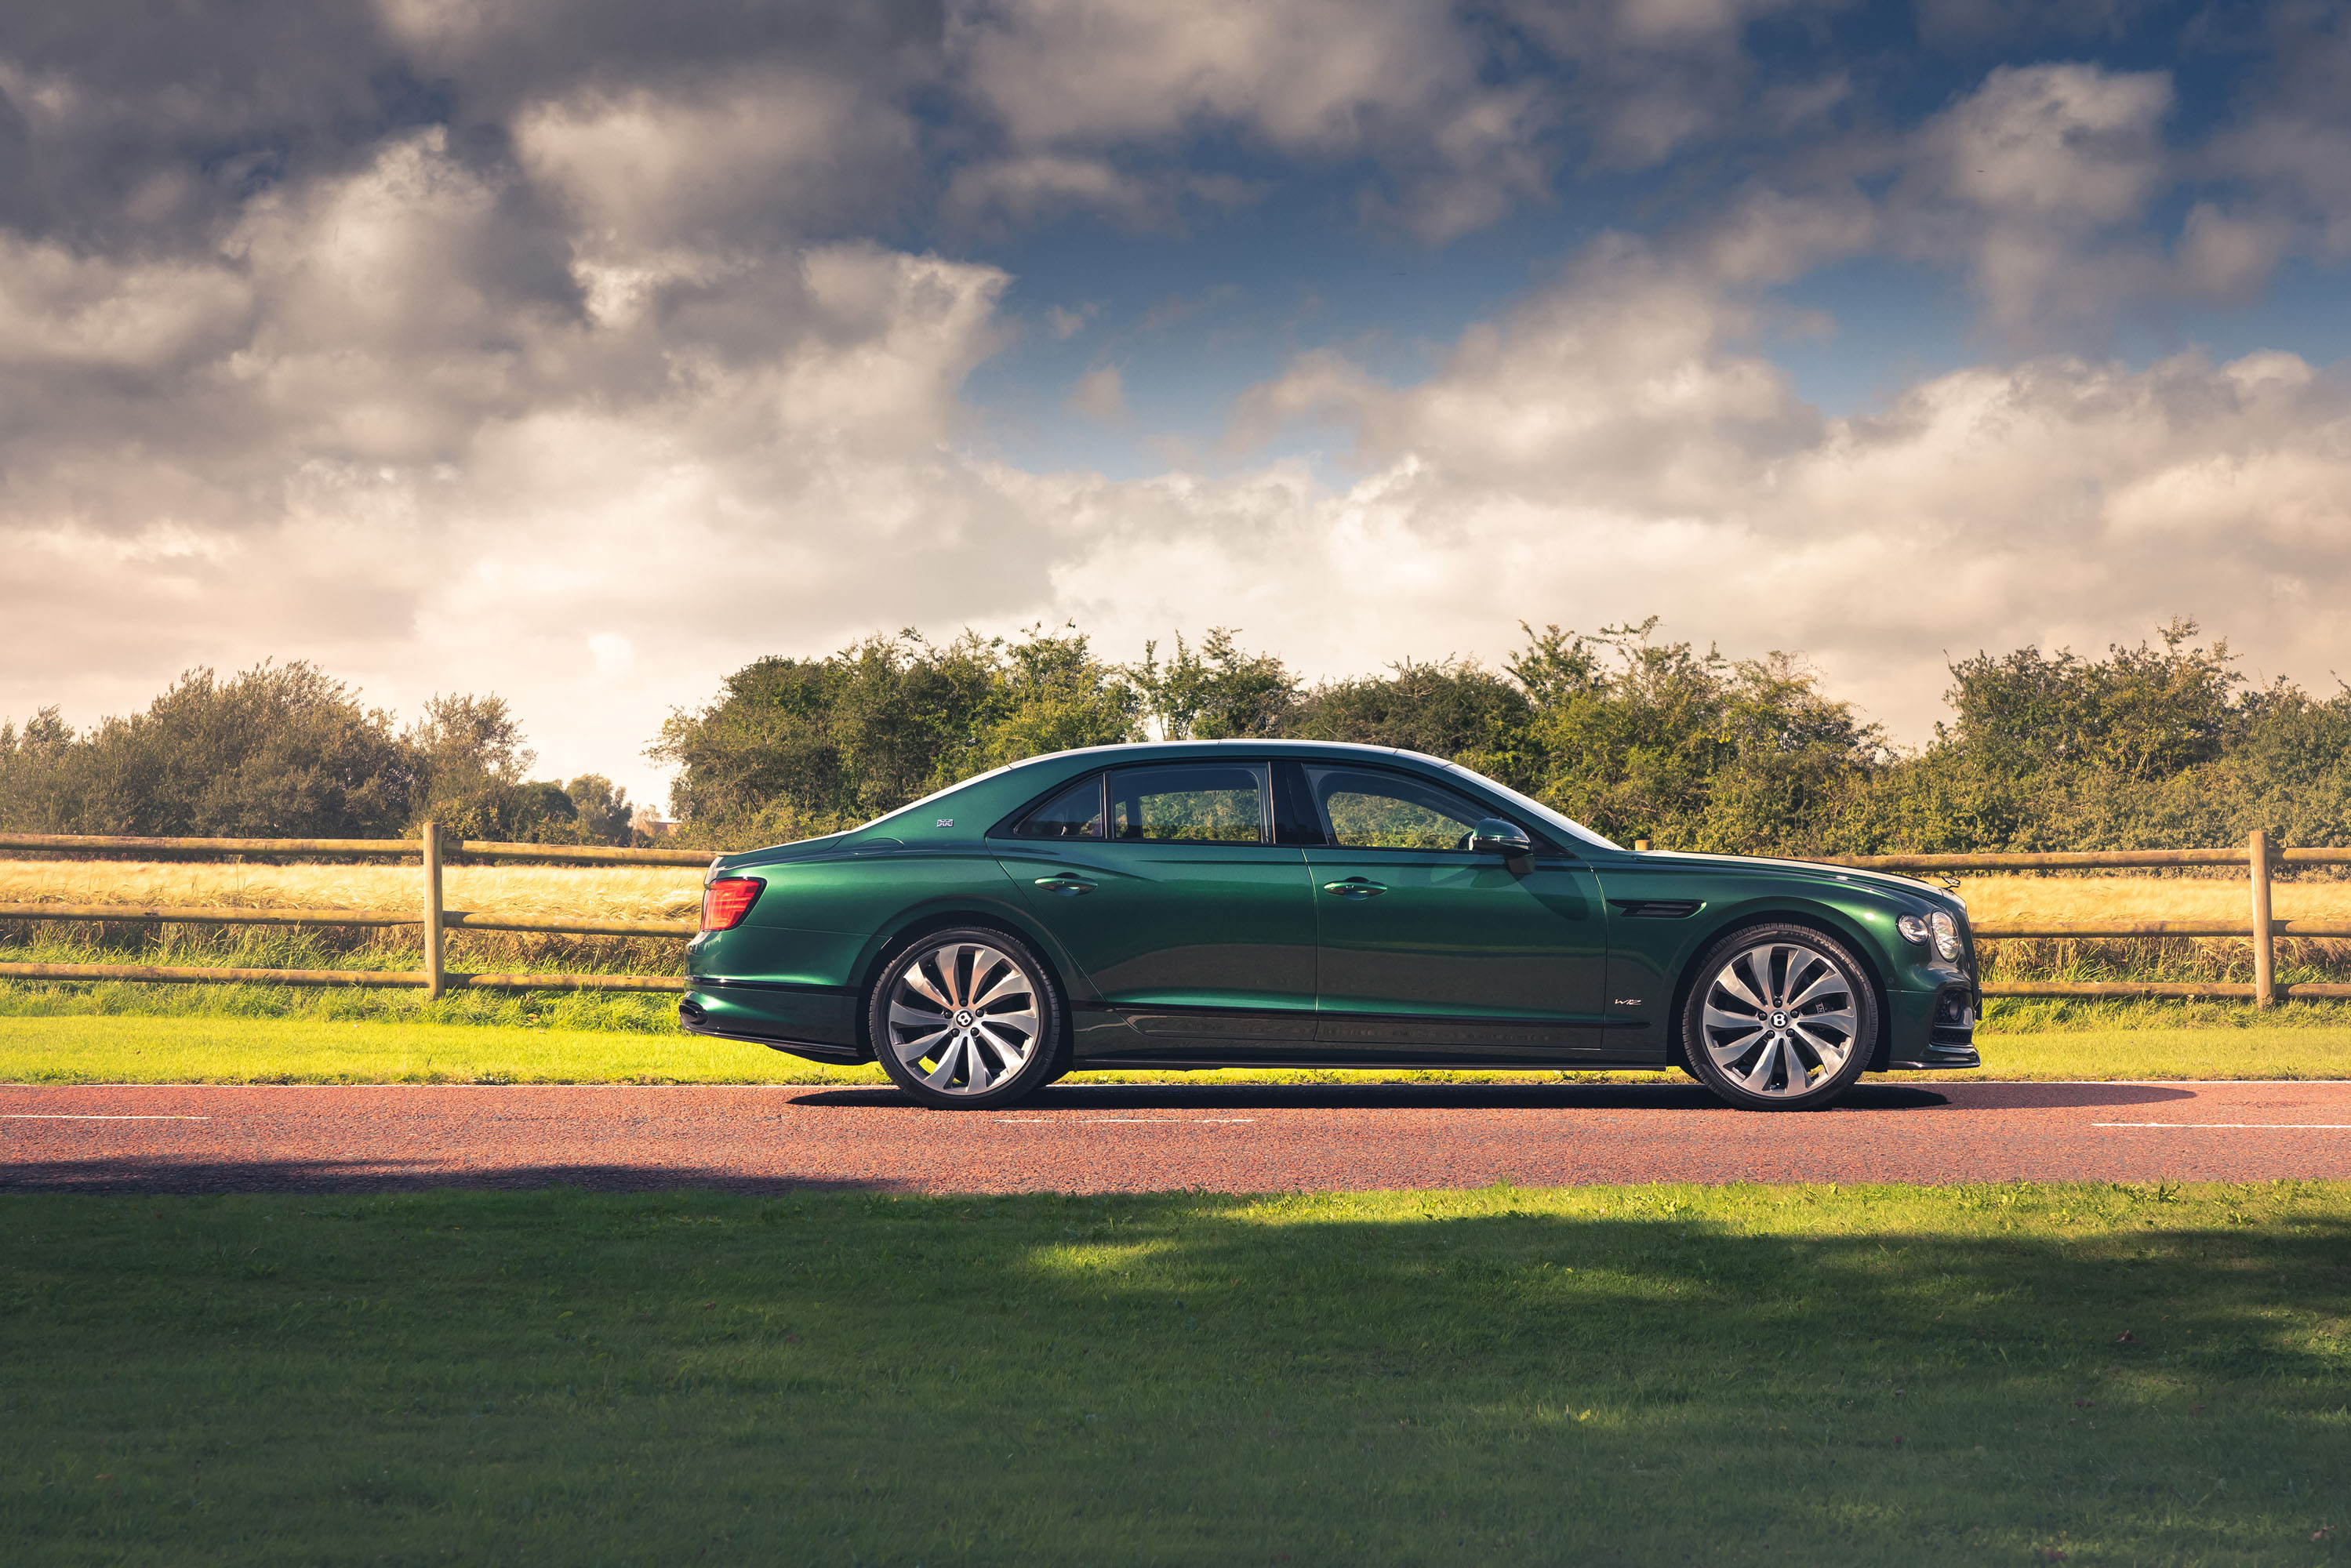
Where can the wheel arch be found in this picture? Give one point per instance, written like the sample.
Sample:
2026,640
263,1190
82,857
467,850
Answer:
887,944
1829,923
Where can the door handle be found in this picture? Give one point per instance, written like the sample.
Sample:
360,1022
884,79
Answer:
1067,886
1356,887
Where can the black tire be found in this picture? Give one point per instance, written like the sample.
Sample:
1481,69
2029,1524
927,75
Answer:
1780,1017
1000,1022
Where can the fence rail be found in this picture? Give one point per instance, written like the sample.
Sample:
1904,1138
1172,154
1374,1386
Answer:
429,915
468,849
2258,856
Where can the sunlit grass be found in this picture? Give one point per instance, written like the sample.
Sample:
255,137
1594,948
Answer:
2150,1374
318,1051
589,1040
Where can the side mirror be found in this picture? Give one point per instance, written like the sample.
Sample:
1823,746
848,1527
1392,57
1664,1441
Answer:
1496,837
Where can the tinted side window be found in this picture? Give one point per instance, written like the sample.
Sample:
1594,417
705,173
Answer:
1374,811
1075,814
1204,802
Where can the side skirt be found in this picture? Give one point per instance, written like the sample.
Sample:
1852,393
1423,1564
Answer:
1145,1038
1206,1058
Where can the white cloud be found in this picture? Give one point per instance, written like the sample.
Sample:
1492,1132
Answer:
1401,81
765,152
1614,386
594,406
1101,394
430,481
2039,178
352,439
1607,451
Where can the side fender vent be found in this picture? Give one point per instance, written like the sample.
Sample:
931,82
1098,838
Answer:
1658,908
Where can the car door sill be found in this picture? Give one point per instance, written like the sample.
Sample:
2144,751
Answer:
1206,1060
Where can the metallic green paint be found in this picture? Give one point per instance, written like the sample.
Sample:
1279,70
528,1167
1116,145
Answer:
1178,924
1452,937
1181,953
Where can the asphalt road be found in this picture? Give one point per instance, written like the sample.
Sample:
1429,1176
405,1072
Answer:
1133,1137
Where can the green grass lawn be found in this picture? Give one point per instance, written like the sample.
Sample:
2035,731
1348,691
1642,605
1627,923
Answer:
309,1051
231,1049
1658,1374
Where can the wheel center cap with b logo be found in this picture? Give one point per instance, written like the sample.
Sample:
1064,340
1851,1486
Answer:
1779,1020
963,1021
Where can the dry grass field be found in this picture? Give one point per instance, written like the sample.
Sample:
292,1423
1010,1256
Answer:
655,892
672,892
2131,898
619,893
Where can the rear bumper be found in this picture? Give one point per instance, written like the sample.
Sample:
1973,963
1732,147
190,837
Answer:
817,1022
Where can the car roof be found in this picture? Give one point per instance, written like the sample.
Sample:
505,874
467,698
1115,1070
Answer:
1257,747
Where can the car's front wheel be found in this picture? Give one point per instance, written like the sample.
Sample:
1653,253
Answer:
965,1020
1780,1017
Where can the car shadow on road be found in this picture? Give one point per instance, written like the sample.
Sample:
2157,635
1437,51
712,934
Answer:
1865,1097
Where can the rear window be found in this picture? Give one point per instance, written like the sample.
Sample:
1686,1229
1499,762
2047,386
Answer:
1198,802
1075,814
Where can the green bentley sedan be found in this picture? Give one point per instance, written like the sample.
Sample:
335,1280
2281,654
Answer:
1227,903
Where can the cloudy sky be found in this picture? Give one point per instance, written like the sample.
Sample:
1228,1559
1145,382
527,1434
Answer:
582,351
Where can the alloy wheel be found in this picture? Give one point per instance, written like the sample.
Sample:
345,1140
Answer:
963,1018
1779,1018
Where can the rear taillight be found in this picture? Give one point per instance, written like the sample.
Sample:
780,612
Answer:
726,902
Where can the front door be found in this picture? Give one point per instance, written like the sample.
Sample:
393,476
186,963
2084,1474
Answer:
1161,884
1429,948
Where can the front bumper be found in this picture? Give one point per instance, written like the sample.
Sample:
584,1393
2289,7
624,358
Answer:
1935,1030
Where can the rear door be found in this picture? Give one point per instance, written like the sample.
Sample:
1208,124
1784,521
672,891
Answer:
1429,948
1162,883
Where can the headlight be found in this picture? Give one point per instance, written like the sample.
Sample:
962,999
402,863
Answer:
1913,929
1947,933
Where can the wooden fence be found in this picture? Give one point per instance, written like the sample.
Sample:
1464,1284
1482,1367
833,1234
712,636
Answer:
429,912
2259,857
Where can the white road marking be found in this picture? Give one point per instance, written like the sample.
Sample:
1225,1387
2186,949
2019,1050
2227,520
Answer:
2247,1127
62,1116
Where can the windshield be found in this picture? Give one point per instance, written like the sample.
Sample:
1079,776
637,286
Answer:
1538,811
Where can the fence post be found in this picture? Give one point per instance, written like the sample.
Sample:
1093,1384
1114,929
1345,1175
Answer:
2257,861
431,858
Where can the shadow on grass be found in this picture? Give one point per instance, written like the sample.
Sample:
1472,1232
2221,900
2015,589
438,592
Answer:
1621,1375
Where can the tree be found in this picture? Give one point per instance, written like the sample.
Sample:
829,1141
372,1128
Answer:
1217,693
601,808
278,750
797,747
470,760
1647,739
1454,708
2139,713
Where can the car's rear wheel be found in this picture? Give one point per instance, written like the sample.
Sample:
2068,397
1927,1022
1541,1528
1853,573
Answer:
966,1018
1780,1017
